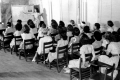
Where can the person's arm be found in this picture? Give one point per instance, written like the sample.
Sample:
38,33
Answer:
109,49
93,54
82,56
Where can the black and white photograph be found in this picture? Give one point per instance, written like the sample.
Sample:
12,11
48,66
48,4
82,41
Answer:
59,39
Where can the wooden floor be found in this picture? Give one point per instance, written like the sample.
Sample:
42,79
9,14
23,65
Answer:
11,68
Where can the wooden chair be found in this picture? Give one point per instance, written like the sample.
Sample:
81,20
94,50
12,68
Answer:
75,50
60,61
26,51
5,43
81,73
46,45
17,39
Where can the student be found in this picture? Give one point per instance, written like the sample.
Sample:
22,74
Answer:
76,37
9,29
110,26
87,48
44,39
62,42
18,32
86,36
41,30
113,49
33,29
69,31
26,35
97,27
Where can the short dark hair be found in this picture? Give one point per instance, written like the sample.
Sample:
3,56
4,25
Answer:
27,29
32,25
72,21
18,27
70,27
41,22
43,25
29,21
54,26
97,35
61,23
97,25
19,21
86,29
9,24
62,33
37,10
110,23
76,31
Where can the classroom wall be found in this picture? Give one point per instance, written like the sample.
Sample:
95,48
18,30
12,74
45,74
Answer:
109,10
6,8
91,11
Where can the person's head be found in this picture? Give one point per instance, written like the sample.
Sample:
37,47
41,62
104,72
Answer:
110,23
70,27
18,27
82,24
97,26
32,25
29,21
19,21
45,31
61,23
97,35
76,31
72,22
62,33
109,37
26,29
9,24
86,29
36,10
54,26
43,25
41,22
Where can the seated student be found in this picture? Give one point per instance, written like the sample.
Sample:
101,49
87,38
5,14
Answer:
113,50
85,36
62,42
72,22
87,48
26,35
76,37
97,27
33,29
69,32
40,31
18,32
110,26
53,29
9,29
98,41
46,38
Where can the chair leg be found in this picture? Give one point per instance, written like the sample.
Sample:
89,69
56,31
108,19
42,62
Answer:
11,50
70,74
49,65
25,56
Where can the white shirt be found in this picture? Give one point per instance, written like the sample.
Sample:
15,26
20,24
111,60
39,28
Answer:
33,30
110,29
27,36
87,49
41,43
8,30
17,33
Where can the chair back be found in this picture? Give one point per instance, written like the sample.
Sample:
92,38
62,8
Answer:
62,52
98,51
8,37
85,73
28,42
47,45
75,48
